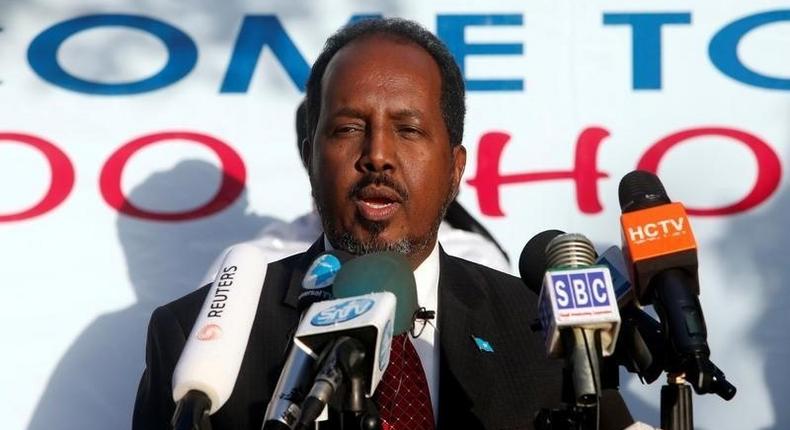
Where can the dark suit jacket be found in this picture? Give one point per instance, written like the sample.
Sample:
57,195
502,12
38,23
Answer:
478,389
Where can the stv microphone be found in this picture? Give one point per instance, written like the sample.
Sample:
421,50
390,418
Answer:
661,254
577,304
208,366
296,376
377,297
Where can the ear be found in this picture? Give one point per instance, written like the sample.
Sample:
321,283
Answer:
459,164
305,151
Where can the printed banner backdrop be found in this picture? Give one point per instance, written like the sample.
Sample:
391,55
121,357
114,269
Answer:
139,139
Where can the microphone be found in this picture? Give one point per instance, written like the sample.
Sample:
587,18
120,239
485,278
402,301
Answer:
206,371
319,278
284,407
639,345
661,255
577,305
376,299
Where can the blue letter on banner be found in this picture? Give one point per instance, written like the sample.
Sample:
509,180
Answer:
181,54
256,32
646,43
450,28
723,50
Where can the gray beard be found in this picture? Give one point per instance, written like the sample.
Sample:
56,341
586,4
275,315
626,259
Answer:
406,246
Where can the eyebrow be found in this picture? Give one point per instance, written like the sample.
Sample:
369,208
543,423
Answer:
407,113
399,114
348,111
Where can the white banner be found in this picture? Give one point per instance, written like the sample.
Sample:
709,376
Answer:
139,139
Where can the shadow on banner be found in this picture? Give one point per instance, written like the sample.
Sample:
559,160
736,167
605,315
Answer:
757,245
94,385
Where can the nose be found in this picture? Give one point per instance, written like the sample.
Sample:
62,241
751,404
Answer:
378,152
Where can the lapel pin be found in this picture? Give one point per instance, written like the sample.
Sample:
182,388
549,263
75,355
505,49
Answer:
482,344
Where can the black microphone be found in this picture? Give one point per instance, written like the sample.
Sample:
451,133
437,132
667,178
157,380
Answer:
640,347
284,408
376,299
661,254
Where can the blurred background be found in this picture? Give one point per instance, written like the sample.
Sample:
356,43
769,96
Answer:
138,139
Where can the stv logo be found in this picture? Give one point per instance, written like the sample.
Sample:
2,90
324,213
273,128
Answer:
342,312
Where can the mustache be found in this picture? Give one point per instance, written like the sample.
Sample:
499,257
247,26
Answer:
384,180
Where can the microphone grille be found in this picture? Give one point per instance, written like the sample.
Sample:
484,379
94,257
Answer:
570,250
640,190
532,265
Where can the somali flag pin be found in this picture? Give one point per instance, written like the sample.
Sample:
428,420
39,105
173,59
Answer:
482,344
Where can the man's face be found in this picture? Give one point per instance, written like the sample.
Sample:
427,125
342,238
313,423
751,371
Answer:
382,168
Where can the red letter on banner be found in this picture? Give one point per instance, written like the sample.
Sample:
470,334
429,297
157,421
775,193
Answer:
234,175
585,172
62,176
769,168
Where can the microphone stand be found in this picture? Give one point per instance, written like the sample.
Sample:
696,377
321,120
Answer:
343,368
676,406
192,412
583,413
676,402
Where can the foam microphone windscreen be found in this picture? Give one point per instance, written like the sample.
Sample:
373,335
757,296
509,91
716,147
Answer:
380,272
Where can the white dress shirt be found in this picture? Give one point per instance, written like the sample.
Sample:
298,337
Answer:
427,278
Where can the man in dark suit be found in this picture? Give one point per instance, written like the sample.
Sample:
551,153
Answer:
385,111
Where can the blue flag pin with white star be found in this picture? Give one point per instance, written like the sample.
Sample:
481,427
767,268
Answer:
482,344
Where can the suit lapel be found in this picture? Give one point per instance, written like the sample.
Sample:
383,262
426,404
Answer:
466,370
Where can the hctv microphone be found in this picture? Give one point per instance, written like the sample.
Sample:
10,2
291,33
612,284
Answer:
661,254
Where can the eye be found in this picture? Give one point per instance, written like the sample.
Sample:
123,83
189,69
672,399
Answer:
348,129
410,131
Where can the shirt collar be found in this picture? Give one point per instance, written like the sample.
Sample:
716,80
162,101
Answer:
427,278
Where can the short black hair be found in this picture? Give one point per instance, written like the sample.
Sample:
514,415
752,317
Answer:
452,101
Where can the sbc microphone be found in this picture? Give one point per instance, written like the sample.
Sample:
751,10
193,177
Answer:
661,254
284,407
572,290
377,297
209,364
577,305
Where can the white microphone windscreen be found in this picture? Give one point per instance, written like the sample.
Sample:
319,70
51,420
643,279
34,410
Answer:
214,350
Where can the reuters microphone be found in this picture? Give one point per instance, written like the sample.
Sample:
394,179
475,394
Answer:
209,364
661,254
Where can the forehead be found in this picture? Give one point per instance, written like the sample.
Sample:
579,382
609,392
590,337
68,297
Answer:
384,70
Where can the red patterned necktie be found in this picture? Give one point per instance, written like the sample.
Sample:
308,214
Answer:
402,395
